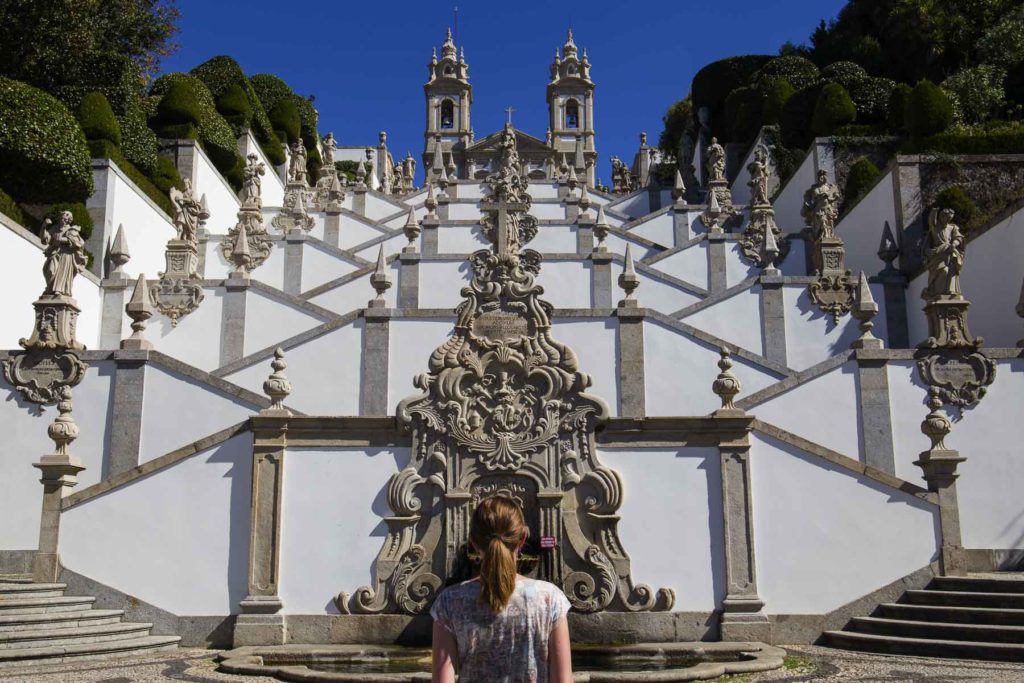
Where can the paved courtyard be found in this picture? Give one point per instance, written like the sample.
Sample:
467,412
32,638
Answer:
806,663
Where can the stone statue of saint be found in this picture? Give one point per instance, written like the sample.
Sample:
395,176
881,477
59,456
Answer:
944,256
329,146
408,170
251,184
821,207
188,212
297,167
759,177
65,255
715,161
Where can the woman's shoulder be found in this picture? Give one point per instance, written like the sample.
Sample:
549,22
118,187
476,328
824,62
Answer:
544,588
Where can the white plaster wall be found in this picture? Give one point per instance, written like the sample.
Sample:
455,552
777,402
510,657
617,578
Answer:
441,282
26,441
861,229
272,190
411,342
196,339
538,190
353,232
392,245
178,410
634,205
268,321
917,322
791,199
221,199
659,229
460,239
617,245
554,239
988,435
319,266
87,294
547,211
398,221
566,283
463,211
215,267
795,263
177,539
271,271
356,293
991,281
477,191
812,337
21,280
671,524
377,208
736,269
689,265
654,293
146,228
594,342
737,320
825,536
824,410
329,542
324,372
679,370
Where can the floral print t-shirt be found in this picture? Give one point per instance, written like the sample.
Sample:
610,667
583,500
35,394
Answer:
508,647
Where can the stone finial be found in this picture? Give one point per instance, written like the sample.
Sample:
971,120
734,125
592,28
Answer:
119,254
63,429
888,250
864,310
628,280
712,214
584,202
726,385
573,179
643,139
361,173
442,179
601,227
430,203
411,229
936,425
450,166
241,256
770,250
380,280
139,310
277,386
679,189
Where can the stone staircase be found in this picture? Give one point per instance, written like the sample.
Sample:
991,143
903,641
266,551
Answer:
39,624
972,617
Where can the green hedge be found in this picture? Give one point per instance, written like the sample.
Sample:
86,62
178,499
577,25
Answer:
10,208
274,150
896,109
928,110
234,106
743,108
797,117
81,215
97,119
963,207
222,72
846,74
871,97
179,105
270,89
712,84
994,138
104,149
43,152
777,93
166,175
285,118
863,176
977,92
833,110
799,71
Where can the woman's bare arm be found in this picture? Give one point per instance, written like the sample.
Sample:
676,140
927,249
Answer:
444,655
559,654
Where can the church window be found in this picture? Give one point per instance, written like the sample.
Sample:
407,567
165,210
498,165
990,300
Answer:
572,114
447,114
448,70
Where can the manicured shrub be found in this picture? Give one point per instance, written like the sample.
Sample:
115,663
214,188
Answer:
10,208
977,92
871,98
777,93
995,137
179,105
863,176
846,74
896,108
743,109
273,150
713,83
81,215
955,198
833,110
797,116
97,119
270,89
284,117
222,72
235,108
43,152
928,110
799,71
166,175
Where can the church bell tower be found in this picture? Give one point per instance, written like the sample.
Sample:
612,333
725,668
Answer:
571,111
448,98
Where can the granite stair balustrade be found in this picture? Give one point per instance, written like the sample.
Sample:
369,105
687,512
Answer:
38,623
972,617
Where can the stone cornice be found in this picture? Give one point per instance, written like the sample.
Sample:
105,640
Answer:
325,432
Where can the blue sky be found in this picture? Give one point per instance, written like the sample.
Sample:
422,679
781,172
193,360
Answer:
366,61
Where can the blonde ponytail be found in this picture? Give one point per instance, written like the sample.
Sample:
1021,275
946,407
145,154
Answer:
496,530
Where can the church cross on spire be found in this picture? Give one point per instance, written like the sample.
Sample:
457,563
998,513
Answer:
509,110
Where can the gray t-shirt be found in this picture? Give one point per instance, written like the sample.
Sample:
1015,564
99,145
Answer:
508,647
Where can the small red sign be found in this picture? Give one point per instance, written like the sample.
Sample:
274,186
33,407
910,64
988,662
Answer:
548,542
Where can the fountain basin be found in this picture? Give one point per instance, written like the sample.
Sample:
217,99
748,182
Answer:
661,662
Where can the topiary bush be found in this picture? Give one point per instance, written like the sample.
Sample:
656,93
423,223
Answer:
896,108
270,89
284,117
166,175
43,152
955,198
776,93
833,110
713,83
10,208
871,97
995,137
743,109
977,92
928,110
81,215
234,106
846,74
97,119
274,150
862,177
799,71
179,105
222,72
797,116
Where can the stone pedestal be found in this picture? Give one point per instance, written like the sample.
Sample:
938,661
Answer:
834,289
58,472
181,259
939,466
409,278
947,325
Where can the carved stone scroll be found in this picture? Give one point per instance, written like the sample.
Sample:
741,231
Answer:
504,410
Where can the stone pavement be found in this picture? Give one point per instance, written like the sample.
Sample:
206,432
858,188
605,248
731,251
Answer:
807,664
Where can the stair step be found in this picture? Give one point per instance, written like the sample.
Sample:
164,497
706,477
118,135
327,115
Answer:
42,605
976,584
48,620
923,647
88,651
15,578
956,615
932,630
11,591
68,636
965,599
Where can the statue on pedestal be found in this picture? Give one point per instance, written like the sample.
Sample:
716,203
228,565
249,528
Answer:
251,184
715,162
821,207
297,164
65,254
